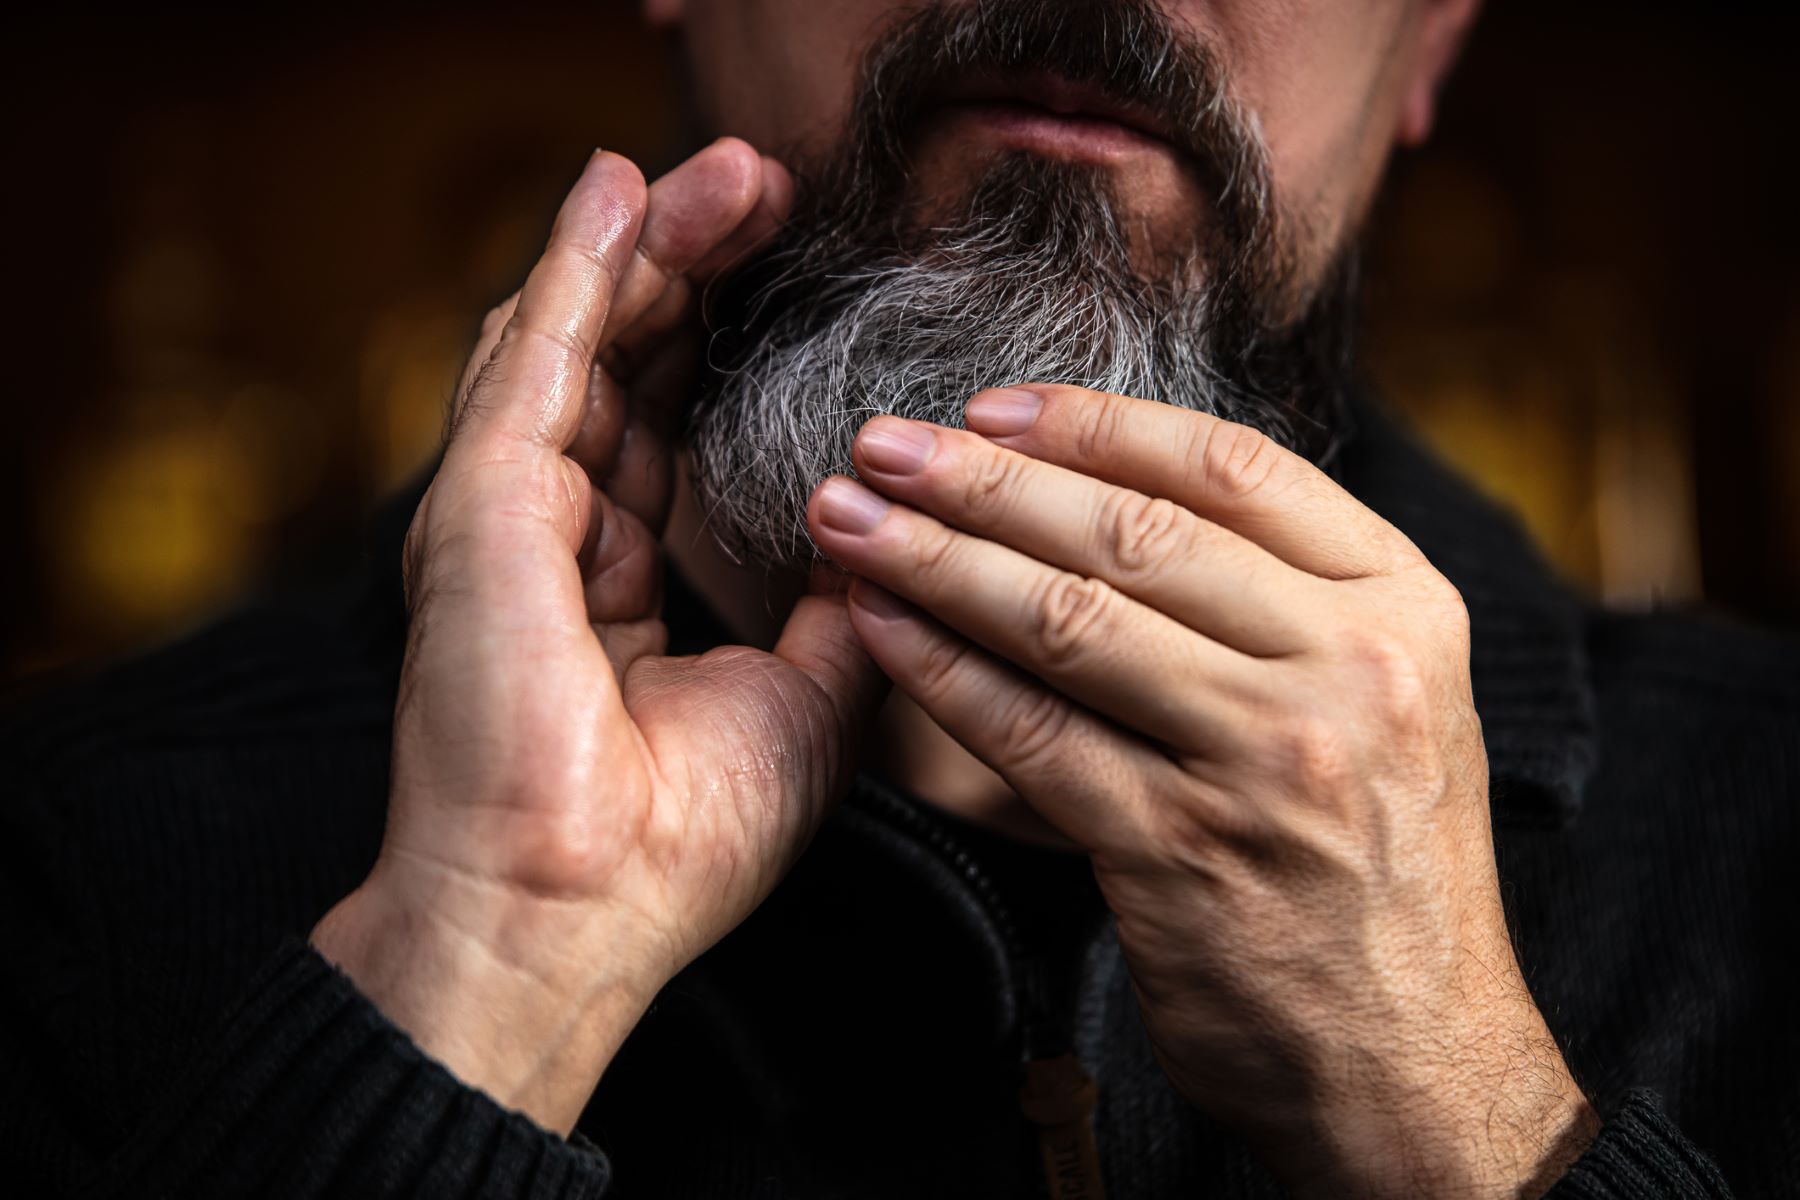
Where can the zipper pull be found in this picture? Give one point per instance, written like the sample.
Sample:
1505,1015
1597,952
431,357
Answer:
1058,1098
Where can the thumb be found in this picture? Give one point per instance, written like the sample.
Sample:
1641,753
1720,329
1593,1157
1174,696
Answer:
819,640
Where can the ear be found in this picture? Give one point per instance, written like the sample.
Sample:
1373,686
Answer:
1444,25
664,14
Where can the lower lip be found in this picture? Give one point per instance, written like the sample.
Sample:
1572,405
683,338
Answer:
1072,136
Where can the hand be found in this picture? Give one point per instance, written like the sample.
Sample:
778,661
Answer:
573,817
1247,696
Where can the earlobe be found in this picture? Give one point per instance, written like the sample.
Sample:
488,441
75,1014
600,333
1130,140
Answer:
663,14
1417,115
1443,29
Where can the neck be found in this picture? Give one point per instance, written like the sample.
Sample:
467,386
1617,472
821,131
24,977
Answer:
903,744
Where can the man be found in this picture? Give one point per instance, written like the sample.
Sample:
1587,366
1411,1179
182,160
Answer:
1232,748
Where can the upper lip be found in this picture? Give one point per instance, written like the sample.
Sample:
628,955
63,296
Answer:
1057,94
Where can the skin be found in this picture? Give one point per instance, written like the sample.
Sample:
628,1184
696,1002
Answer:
574,817
1336,87
1247,698
1175,645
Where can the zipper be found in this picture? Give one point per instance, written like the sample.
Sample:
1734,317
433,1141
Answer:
1057,1095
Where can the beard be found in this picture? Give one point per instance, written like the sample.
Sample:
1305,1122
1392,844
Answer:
865,305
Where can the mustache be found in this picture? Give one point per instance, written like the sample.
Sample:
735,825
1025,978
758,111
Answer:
1126,50
872,298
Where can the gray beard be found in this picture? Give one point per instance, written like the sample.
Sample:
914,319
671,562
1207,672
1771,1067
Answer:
1034,282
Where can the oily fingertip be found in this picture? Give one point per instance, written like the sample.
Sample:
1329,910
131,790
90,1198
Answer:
777,188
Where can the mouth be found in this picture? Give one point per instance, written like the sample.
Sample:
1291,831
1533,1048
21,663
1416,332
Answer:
1053,116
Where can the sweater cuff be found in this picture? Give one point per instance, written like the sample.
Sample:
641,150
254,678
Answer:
311,1089
1640,1155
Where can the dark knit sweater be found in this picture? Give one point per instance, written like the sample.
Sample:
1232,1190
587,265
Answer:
174,826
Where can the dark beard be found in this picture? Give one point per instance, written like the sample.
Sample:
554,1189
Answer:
862,306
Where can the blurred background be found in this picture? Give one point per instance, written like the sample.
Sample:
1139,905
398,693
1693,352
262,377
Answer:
250,252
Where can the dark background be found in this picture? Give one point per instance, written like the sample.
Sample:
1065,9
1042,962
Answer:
248,255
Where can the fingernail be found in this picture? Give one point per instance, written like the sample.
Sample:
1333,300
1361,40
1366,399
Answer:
849,507
878,602
895,446
1002,412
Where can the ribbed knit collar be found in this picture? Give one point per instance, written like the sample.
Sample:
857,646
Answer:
1528,654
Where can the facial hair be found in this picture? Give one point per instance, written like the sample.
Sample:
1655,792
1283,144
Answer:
863,307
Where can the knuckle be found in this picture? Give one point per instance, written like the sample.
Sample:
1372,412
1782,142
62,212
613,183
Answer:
940,663
1141,532
1068,609
1033,727
1100,428
1395,678
1198,832
1232,460
1375,650
934,552
992,483
507,498
1405,702
1311,751
565,341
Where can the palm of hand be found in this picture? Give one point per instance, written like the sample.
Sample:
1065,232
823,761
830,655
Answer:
545,745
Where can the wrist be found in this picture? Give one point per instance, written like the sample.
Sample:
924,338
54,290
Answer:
1494,1113
527,1000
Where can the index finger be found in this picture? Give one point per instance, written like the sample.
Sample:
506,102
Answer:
689,214
1224,471
541,364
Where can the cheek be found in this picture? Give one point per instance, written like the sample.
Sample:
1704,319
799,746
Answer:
779,73
1325,78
